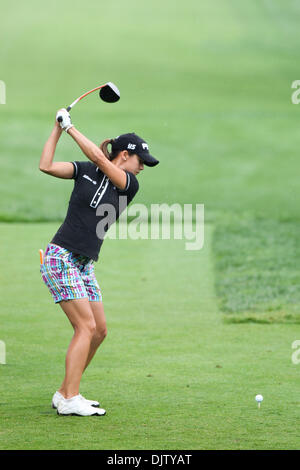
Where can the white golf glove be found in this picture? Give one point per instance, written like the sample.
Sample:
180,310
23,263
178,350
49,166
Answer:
64,119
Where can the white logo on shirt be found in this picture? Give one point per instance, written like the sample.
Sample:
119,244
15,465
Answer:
90,179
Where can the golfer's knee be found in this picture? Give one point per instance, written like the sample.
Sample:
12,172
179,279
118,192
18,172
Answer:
101,333
89,328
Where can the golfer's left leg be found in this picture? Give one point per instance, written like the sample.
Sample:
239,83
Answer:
101,330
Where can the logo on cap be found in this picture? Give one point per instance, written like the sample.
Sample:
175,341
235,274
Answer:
145,146
131,146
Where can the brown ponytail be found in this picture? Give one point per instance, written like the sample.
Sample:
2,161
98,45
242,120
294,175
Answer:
103,147
114,152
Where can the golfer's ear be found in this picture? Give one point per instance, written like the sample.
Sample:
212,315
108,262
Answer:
124,154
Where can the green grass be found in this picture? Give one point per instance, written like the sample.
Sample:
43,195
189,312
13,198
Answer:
257,275
171,374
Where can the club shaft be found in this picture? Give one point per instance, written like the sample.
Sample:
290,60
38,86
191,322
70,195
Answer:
82,96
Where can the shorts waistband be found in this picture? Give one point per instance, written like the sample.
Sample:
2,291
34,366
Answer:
59,251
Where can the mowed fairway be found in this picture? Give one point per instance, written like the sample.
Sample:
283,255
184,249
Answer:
170,373
193,336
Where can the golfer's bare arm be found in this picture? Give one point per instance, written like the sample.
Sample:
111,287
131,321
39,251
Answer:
59,169
93,153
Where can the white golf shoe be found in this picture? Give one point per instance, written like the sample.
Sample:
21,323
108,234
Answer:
77,406
58,396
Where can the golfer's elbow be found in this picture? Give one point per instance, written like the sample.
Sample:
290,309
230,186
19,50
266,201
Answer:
43,168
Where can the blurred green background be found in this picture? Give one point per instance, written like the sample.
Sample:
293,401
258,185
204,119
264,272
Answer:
208,85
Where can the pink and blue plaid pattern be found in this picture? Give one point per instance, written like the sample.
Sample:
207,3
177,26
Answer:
68,275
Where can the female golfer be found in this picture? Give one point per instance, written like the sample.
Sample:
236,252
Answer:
67,268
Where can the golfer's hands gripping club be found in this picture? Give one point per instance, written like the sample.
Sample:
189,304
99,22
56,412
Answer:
64,119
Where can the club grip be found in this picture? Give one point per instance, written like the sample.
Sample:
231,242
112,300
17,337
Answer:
59,119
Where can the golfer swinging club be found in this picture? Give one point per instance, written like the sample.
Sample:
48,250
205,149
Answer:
68,264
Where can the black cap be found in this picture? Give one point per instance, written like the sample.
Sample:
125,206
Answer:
135,144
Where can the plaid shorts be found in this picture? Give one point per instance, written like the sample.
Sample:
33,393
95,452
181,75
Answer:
69,275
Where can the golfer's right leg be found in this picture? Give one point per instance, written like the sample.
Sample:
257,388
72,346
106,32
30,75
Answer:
81,318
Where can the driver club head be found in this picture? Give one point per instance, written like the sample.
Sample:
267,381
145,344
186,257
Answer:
109,93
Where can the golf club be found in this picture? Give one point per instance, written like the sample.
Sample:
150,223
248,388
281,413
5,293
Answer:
108,93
